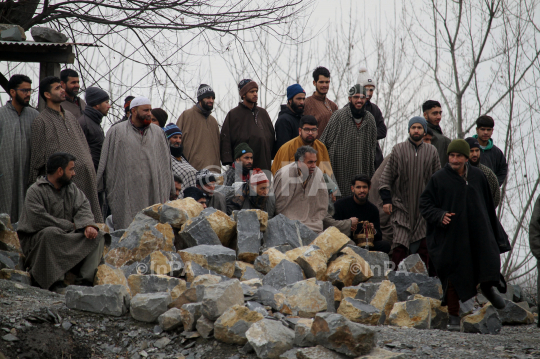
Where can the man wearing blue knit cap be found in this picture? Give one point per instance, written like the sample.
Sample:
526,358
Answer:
409,169
289,116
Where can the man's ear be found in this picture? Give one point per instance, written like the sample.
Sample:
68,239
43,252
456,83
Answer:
314,83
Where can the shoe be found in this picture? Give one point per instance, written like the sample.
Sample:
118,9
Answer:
58,287
454,323
496,300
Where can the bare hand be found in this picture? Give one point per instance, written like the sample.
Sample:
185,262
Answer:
387,208
447,218
372,226
354,221
90,232
333,197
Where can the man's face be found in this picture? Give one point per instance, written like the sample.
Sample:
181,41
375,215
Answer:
103,107
263,189
21,95
297,102
457,161
178,187
154,119
309,163
252,96
474,157
71,86
67,174
246,160
56,94
175,141
360,191
143,113
358,100
208,103
209,188
416,132
427,138
308,133
433,115
322,84
369,91
202,201
484,133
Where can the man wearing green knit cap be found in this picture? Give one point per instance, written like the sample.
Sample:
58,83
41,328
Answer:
464,236
241,168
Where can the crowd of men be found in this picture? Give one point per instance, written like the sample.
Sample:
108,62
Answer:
322,165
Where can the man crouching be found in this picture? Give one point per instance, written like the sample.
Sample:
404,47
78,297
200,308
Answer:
57,230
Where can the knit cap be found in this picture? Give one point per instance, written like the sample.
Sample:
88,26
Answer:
241,150
160,115
245,86
205,91
195,193
95,96
204,177
364,78
473,142
257,177
420,120
357,89
459,146
171,129
294,90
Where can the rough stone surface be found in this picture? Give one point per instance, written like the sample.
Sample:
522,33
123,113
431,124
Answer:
379,262
413,264
193,270
427,286
171,319
107,274
9,241
248,236
213,257
45,34
514,314
205,280
439,314
346,271
268,260
484,321
197,231
337,333
12,34
283,274
308,297
5,261
282,230
161,262
270,338
222,225
152,283
302,333
10,26
189,296
318,352
153,211
109,299
246,271
414,313
361,270
148,307
204,327
217,298
313,262
178,212
331,241
307,236
263,218
15,257
190,313
381,295
232,325
250,287
15,276
359,312
257,307
270,296
379,353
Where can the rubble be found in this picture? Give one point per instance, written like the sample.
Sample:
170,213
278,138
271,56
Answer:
413,264
217,298
484,321
262,217
193,270
15,276
222,225
110,299
359,312
232,325
197,231
161,262
308,297
213,257
178,212
205,280
319,352
283,274
381,295
107,274
190,313
46,34
514,314
270,296
347,270
11,260
414,313
281,230
153,283
270,338
331,241
439,314
171,319
9,241
313,262
248,236
246,271
148,307
379,262
413,283
189,296
268,260
204,327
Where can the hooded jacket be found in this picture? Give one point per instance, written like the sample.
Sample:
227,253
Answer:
494,158
287,125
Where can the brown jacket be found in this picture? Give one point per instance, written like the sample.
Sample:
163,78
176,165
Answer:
321,108
75,109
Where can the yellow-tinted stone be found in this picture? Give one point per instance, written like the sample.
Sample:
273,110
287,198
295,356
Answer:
153,211
103,227
385,298
268,260
331,241
108,275
359,312
10,241
293,254
263,218
205,279
411,314
361,269
337,295
192,207
152,283
227,268
232,325
313,263
223,225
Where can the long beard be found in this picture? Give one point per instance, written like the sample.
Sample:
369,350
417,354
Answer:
177,151
297,109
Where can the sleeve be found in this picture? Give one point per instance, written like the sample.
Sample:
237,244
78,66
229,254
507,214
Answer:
502,168
36,217
101,172
82,212
435,162
38,158
428,204
329,133
225,142
282,133
379,119
338,211
388,177
344,225
534,230
281,200
271,206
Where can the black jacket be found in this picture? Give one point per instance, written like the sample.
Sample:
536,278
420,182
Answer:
346,208
495,160
287,125
441,143
90,123
381,130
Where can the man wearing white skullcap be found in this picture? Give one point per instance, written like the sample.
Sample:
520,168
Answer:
135,165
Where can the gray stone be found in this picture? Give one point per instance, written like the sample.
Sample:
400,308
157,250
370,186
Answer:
518,294
257,307
212,257
427,286
289,354
270,338
45,34
308,297
283,274
110,299
171,319
148,307
282,231
249,273
379,262
302,333
21,31
133,268
192,270
217,298
199,232
270,296
204,327
283,248
15,257
509,292
413,264
250,289
337,333
12,34
6,262
153,283
319,352
66,325
248,236
174,216
247,349
231,327
484,321
190,313
162,343
359,311
514,314
175,262
10,338
306,235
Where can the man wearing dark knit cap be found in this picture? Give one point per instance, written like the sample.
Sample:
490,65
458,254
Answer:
250,124
474,160
200,132
464,236
159,117
180,166
240,170
97,106
197,194
289,116
206,181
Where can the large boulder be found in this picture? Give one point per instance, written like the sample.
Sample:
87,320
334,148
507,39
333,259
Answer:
246,271
359,312
205,327
263,218
379,262
222,225
283,274
484,321
381,295
161,262
270,296
439,314
148,307
318,352
270,338
282,230
331,241
152,283
109,299
308,297
46,34
190,313
193,270
413,264
11,260
514,314
197,231
232,325
413,283
248,236
171,319
107,274
414,313
213,257
217,298
313,262
178,212
348,270
14,275
268,260
302,333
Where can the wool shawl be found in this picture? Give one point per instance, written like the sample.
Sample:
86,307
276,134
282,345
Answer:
351,149
200,137
321,108
54,131
493,183
15,136
134,170
406,175
285,155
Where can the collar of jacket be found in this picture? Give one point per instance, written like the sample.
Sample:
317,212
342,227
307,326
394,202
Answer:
454,173
288,110
9,105
318,97
61,113
414,144
75,100
434,127
489,145
203,112
93,114
241,104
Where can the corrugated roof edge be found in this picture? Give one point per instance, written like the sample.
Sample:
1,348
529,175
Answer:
37,44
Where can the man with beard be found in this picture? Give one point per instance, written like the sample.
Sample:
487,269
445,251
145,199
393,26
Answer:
492,156
433,114
70,83
428,136
180,166
200,132
253,195
135,165
474,160
197,194
289,116
15,123
318,105
463,232
351,140
250,124
56,130
97,107
360,207
206,182
411,165
239,171
57,230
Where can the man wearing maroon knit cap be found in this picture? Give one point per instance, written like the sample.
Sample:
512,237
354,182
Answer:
253,195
